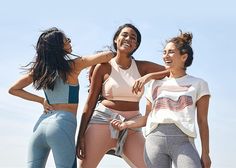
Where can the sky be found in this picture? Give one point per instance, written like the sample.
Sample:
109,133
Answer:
91,26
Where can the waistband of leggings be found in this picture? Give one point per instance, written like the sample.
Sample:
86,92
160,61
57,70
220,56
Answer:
60,113
170,129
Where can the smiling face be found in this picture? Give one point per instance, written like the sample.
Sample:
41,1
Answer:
126,41
172,57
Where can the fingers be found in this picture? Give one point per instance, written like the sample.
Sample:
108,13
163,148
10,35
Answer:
80,154
137,87
117,124
47,107
80,149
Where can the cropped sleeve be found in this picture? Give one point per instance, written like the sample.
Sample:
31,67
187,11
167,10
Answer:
203,89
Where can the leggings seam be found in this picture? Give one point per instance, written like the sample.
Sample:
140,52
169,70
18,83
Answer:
67,136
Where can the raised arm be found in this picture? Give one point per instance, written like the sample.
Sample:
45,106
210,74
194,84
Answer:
148,71
202,113
95,89
139,83
89,60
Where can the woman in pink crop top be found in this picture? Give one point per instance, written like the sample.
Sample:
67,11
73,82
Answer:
114,80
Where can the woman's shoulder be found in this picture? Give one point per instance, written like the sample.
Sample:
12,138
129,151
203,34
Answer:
195,78
147,63
103,67
143,62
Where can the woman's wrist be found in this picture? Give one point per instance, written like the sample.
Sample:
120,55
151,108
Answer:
42,101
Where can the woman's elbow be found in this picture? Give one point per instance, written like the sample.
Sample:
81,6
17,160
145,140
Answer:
12,91
202,122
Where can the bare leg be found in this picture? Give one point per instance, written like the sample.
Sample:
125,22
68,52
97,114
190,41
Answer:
97,142
134,149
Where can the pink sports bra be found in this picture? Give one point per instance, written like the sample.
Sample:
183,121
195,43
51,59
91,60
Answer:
118,85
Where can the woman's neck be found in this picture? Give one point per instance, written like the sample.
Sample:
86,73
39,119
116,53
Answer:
177,74
123,61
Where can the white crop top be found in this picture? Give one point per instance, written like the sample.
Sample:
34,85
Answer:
118,85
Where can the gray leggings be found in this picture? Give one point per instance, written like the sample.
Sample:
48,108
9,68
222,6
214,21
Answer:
167,144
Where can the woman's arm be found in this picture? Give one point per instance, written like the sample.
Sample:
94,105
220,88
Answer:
95,89
148,71
202,114
139,83
87,61
136,123
146,67
18,90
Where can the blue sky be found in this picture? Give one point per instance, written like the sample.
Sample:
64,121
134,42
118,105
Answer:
91,25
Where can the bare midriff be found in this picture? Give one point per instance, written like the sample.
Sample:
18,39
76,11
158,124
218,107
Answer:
121,105
66,107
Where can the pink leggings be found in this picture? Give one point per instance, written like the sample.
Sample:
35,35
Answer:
98,141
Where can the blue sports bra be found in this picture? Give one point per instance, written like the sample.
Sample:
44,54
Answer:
63,93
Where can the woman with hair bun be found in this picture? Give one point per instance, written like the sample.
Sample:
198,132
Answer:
170,111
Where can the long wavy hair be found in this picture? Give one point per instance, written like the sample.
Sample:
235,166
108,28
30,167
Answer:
51,60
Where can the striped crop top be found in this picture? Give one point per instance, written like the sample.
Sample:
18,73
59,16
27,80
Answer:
118,85
63,93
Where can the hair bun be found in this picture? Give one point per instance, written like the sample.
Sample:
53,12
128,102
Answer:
186,37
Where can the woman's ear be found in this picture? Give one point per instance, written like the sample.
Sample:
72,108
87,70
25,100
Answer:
184,57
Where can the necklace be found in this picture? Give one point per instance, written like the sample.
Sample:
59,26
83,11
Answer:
178,76
124,66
